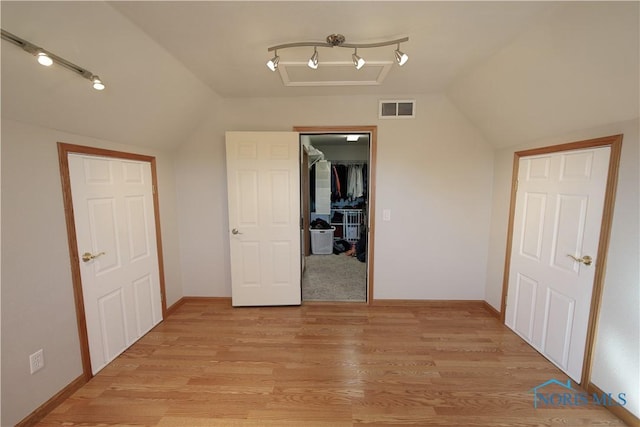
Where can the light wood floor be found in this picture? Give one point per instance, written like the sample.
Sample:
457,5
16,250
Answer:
441,364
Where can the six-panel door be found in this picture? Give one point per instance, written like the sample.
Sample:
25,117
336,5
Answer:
263,181
559,205
115,231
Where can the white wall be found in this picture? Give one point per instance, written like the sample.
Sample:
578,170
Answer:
615,365
37,296
201,187
434,174
431,172
576,69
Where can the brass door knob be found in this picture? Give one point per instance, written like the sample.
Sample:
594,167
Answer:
88,256
586,260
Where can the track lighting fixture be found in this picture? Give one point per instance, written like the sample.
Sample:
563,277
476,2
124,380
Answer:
338,40
47,58
358,62
401,57
313,61
273,62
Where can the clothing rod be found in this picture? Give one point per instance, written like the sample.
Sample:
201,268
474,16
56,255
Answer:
346,163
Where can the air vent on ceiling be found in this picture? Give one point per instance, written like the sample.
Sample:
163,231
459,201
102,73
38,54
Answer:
397,109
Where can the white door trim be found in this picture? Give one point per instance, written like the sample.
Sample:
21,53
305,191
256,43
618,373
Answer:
63,151
615,143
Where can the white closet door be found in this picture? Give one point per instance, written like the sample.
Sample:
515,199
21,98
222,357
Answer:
556,232
115,227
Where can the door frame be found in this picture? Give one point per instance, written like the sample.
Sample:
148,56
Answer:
615,144
372,130
305,206
64,150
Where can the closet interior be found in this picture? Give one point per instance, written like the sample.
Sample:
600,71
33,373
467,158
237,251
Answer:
335,207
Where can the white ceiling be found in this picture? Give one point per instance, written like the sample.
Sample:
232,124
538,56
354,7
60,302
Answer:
225,43
501,63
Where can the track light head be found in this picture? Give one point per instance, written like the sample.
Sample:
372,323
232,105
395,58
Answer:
44,59
97,83
401,57
313,61
358,62
272,64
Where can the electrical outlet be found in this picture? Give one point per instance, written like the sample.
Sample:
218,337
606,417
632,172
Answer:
36,361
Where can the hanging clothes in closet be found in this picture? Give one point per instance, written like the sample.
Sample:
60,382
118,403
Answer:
355,183
339,182
348,181
365,178
336,186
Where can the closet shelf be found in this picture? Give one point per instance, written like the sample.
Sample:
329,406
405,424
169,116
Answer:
315,155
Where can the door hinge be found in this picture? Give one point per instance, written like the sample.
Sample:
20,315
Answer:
153,188
517,182
301,223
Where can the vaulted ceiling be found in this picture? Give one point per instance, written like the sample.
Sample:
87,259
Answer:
517,70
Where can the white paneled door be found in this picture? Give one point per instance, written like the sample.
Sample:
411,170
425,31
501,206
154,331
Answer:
115,231
556,230
263,181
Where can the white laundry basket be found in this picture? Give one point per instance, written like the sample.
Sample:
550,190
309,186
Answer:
322,241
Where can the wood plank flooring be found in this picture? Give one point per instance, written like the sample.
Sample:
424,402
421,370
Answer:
437,364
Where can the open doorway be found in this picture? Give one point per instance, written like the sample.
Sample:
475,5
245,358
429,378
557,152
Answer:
336,202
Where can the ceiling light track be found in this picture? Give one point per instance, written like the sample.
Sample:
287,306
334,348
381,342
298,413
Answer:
347,45
47,58
338,40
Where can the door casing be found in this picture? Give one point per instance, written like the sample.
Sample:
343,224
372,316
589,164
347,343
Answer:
64,150
373,131
615,143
